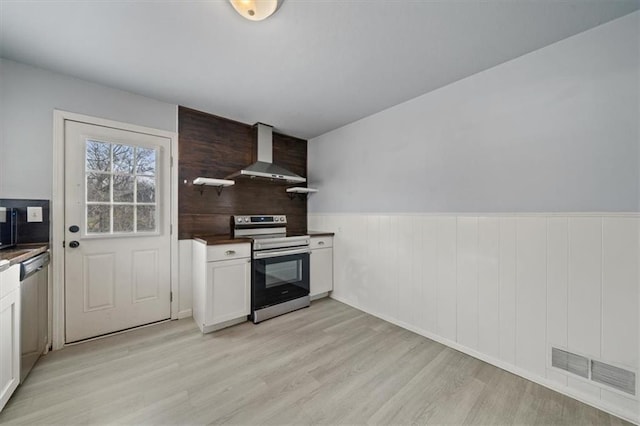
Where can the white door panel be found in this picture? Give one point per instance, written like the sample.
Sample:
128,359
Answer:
99,281
117,193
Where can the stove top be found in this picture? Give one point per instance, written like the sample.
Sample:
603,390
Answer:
266,231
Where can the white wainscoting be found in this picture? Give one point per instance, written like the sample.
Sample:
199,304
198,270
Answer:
185,268
502,288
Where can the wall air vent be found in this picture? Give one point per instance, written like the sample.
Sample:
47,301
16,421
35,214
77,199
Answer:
617,378
570,362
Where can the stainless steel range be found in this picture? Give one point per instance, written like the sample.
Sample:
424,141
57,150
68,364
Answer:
279,265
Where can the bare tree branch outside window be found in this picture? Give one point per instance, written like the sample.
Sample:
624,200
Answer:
121,185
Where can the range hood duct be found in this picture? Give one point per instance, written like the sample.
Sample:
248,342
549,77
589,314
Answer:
264,167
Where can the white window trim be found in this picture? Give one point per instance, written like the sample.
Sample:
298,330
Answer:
57,337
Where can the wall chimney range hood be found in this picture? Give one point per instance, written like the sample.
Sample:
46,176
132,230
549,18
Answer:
264,167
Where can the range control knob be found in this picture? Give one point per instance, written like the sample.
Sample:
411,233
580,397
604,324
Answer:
277,219
246,219
239,220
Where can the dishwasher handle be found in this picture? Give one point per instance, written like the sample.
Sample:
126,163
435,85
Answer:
33,265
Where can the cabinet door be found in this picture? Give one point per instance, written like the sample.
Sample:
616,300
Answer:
321,273
228,290
9,345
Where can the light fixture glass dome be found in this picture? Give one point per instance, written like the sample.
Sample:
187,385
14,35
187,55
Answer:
255,10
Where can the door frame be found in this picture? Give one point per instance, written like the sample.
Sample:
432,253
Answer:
58,213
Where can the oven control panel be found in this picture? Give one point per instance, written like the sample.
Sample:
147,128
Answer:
259,220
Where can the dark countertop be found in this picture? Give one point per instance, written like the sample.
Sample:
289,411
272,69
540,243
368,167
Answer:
320,234
212,240
23,252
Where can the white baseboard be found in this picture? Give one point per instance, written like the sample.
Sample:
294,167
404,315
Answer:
543,381
186,313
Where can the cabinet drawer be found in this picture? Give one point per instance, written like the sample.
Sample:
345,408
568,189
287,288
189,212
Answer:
321,242
228,251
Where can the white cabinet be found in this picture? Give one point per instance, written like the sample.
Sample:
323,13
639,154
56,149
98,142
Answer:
228,290
228,252
9,332
321,268
221,285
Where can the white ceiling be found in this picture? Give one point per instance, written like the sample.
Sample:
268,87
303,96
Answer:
312,67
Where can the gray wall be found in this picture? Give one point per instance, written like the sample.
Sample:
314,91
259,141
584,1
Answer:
28,97
555,130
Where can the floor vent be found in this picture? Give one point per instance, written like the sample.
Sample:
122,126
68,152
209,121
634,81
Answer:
570,362
617,378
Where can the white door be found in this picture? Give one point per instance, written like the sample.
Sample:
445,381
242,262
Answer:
117,242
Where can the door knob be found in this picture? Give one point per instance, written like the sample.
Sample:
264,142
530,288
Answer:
74,244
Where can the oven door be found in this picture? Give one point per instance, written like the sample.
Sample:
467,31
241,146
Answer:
280,278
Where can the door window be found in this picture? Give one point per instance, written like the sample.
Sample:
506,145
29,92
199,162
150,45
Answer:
279,273
121,189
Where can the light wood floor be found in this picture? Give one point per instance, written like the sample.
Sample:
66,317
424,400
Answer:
329,364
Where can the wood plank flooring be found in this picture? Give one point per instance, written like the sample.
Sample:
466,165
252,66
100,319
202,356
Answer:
328,364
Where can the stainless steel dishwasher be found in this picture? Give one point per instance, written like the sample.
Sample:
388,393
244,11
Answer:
34,315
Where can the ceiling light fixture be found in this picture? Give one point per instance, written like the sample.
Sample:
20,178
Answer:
256,10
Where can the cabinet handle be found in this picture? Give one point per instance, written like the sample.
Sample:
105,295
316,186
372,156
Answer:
230,252
320,243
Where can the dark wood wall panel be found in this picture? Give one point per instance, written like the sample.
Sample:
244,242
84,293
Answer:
211,146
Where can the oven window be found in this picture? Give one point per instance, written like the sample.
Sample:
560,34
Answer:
283,272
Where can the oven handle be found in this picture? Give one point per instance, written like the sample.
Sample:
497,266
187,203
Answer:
277,253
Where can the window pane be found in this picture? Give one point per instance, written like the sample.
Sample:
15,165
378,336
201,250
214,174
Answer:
123,189
119,176
146,189
98,219
98,187
98,156
146,161
146,218
122,218
122,158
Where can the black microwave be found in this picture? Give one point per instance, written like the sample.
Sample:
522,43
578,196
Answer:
8,227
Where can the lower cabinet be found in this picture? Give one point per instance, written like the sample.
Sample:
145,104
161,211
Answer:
221,285
9,333
321,268
228,290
